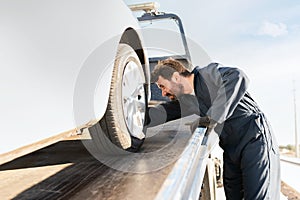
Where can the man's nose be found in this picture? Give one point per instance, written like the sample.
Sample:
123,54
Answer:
164,92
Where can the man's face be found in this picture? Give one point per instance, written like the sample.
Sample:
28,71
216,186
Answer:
170,89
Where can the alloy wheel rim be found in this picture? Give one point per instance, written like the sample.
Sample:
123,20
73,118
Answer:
133,99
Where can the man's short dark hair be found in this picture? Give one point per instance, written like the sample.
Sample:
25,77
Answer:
166,68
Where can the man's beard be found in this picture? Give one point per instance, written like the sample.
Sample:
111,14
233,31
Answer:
179,89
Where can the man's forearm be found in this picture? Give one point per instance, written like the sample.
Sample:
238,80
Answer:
163,113
185,105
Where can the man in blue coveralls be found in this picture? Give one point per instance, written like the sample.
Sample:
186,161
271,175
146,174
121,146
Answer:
251,158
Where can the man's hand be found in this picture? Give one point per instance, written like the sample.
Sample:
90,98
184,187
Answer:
204,121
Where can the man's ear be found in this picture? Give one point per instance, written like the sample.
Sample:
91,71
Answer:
176,76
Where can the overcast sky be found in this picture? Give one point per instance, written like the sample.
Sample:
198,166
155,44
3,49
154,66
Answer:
262,37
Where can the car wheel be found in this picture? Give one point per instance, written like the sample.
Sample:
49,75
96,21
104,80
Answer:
123,122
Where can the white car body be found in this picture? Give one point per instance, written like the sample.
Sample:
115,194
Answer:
46,50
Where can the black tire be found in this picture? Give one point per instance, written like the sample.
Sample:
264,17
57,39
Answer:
116,123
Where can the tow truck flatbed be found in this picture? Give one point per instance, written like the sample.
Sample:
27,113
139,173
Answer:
66,170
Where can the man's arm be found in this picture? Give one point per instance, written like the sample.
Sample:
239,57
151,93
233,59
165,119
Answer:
162,113
185,105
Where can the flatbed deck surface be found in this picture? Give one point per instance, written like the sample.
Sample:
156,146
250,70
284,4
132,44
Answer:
67,170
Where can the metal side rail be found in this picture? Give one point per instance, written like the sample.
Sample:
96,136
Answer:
291,160
185,180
